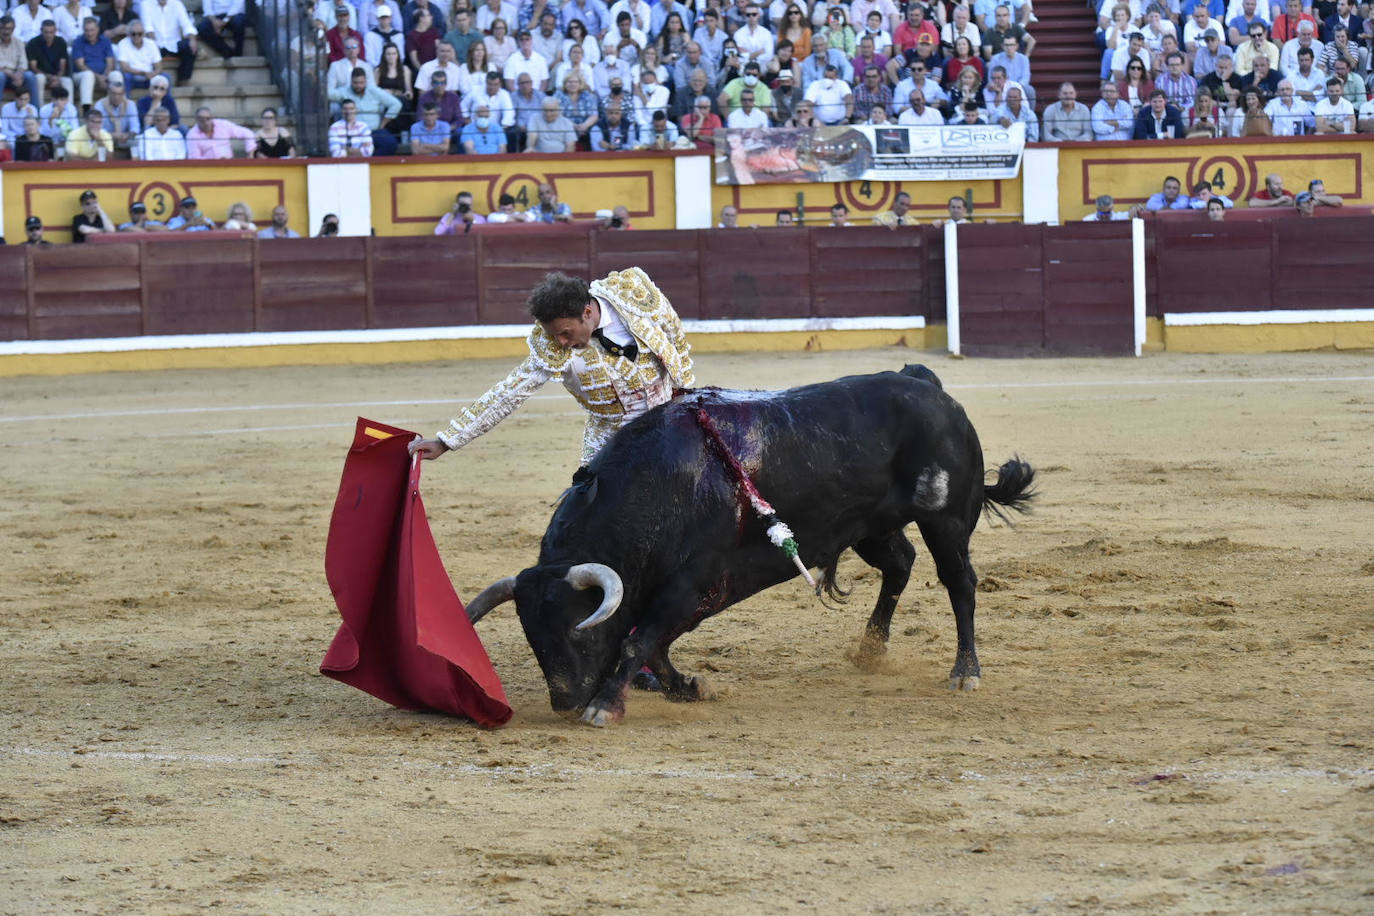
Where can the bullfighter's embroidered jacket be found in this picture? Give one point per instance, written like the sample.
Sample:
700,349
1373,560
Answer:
612,389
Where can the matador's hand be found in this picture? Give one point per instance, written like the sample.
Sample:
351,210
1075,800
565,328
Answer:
428,449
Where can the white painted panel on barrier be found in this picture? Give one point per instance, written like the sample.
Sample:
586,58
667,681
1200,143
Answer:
692,192
1040,186
344,189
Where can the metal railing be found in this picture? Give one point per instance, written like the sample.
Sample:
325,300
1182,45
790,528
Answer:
299,60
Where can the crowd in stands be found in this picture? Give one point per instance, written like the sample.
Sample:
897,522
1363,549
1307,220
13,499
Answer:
1213,68
87,87
435,77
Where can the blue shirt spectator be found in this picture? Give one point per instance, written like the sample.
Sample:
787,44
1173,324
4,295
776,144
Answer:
1216,9
484,141
592,14
94,54
1018,68
1111,107
439,134
813,68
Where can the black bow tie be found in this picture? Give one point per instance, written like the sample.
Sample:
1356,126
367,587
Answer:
630,351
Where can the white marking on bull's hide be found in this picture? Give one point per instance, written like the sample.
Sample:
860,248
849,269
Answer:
932,489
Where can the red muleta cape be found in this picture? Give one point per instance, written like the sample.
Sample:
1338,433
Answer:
405,636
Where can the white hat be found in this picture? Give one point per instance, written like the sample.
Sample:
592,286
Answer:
604,214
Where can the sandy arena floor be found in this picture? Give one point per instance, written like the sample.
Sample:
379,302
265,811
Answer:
1177,713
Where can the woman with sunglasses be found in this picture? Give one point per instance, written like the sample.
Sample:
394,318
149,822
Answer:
797,30
1135,89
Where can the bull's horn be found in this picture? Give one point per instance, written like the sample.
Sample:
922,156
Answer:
586,575
499,592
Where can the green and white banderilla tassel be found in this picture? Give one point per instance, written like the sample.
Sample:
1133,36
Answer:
781,536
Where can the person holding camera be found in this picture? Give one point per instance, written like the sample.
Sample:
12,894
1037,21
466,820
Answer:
461,218
329,228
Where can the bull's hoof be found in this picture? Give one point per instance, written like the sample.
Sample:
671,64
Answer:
598,717
969,682
692,691
868,657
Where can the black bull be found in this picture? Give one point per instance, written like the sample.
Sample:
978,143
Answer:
656,537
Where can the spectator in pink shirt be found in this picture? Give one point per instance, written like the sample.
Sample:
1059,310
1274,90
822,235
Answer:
211,137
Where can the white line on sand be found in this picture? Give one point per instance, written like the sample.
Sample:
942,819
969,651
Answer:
463,399
563,773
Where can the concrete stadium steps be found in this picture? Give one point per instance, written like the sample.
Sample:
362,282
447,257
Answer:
240,71
1065,50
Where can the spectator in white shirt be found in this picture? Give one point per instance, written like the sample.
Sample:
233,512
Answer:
162,141
753,40
525,60
444,59
340,73
1334,113
746,115
650,96
1112,116
831,97
169,27
1290,116
919,114
139,58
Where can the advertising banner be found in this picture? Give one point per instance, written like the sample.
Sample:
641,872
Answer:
868,152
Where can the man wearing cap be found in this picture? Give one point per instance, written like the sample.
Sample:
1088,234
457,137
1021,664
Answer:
223,17
382,34
189,218
90,140
525,61
169,26
617,345
138,220
341,33
92,220
1210,50
161,141
212,138
33,229
1306,204
787,95
831,97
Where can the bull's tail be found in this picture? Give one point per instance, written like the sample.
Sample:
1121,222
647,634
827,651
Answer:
1014,489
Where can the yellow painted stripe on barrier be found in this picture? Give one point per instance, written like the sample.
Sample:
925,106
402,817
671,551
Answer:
1269,338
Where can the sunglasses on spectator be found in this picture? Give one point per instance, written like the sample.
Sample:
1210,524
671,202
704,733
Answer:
753,15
